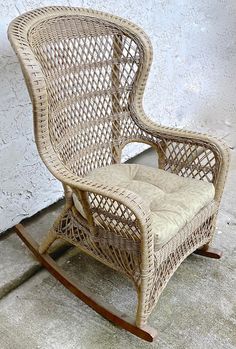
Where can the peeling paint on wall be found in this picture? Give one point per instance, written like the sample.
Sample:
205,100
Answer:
192,84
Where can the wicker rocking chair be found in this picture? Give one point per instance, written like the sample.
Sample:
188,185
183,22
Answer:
86,73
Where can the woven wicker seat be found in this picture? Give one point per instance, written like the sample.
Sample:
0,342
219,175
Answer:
86,73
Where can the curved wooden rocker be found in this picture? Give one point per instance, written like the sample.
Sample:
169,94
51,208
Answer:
107,311
86,73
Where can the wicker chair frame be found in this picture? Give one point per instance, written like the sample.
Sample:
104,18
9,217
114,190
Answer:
86,73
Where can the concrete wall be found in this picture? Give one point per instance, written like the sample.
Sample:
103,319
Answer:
192,84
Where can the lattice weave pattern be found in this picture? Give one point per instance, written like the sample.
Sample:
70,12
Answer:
86,73
90,68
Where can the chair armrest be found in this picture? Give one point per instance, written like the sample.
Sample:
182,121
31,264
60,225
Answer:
116,206
120,216
188,154
122,213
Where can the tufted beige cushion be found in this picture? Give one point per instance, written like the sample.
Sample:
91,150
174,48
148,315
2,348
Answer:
173,200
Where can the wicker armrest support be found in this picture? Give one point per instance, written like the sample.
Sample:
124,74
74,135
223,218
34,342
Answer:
189,154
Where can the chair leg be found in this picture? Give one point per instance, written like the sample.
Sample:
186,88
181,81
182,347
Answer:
208,251
107,311
47,241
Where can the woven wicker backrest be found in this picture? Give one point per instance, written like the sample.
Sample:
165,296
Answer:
90,67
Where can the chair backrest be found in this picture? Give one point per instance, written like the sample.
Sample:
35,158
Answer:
83,69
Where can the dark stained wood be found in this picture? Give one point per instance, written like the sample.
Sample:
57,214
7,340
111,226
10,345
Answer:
210,252
107,311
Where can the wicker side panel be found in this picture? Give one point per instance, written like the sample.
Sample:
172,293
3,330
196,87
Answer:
194,235
118,253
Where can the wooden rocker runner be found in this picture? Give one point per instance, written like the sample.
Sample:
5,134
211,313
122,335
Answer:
86,72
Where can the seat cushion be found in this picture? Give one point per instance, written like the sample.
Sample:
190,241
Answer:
173,200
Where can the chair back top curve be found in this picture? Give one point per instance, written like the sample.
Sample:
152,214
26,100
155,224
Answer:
86,72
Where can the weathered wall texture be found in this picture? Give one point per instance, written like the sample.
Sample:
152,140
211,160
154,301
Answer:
192,84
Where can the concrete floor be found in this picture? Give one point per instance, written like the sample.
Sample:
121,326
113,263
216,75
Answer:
195,311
